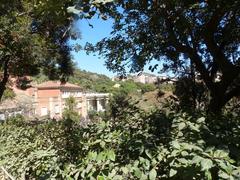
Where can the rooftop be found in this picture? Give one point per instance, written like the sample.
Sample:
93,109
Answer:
56,85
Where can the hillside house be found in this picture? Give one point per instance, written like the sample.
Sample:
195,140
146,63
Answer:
49,99
146,78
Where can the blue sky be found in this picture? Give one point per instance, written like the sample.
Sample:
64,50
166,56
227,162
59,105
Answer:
93,34
100,29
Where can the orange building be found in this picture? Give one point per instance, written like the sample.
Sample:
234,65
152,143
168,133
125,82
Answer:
49,99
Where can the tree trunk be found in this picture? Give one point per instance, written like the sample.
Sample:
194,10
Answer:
4,80
215,105
218,101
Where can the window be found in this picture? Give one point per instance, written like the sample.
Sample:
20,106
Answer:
2,117
44,111
79,105
56,109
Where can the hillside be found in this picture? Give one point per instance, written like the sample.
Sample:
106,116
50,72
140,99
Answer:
151,100
87,80
91,81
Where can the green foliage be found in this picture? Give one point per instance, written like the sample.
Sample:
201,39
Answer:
179,34
192,95
33,38
233,106
8,94
70,112
101,83
92,114
92,81
131,87
167,87
121,106
147,87
191,156
96,116
40,78
157,145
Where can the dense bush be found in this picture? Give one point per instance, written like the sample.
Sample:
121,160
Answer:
192,95
158,145
92,81
8,94
70,111
166,87
146,87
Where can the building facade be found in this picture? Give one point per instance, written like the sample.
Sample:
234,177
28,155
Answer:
49,98
146,78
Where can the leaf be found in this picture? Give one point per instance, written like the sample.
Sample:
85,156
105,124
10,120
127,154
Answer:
194,127
72,9
92,155
148,153
102,144
89,167
144,177
224,175
76,176
152,174
225,167
208,175
111,155
172,172
201,119
117,177
196,159
137,172
112,174
184,153
86,9
220,154
181,125
183,160
206,164
100,178
101,156
176,144
124,170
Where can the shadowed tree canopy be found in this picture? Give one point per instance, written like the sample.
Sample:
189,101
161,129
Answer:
33,38
178,33
34,35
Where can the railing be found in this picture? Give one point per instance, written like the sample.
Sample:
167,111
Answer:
4,175
97,95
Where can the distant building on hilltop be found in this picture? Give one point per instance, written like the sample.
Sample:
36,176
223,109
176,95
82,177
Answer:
145,78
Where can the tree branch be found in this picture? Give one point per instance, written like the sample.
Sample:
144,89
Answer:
208,35
192,53
233,93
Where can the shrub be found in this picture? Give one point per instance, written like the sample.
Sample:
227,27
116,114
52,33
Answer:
144,146
70,111
192,95
8,94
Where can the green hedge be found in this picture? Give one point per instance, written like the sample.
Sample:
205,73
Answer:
144,146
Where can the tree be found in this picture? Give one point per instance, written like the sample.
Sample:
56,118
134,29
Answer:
33,38
191,95
70,112
178,33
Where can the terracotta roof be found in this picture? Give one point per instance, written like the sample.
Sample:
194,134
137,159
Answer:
57,84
